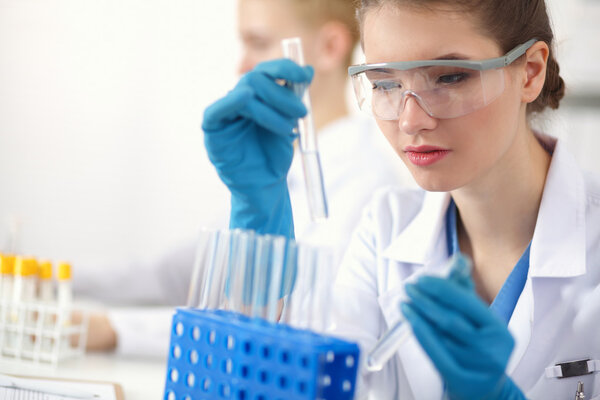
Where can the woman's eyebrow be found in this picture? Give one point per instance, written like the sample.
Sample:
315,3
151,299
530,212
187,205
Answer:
453,56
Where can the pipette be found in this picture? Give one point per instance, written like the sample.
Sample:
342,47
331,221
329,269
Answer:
458,268
311,162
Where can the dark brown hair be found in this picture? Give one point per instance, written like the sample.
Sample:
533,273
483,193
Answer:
509,23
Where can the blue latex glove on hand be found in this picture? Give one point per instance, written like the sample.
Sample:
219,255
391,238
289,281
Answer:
249,137
469,345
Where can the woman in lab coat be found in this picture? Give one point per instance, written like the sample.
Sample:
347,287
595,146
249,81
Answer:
452,85
511,198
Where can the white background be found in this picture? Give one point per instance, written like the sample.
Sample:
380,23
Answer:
101,155
101,152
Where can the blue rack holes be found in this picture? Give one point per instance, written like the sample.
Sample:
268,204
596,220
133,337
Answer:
346,386
224,390
247,347
245,371
283,382
212,337
285,357
330,356
349,361
233,357
191,379
196,333
305,361
194,357
265,352
230,342
302,387
176,352
174,375
179,329
263,376
228,366
206,384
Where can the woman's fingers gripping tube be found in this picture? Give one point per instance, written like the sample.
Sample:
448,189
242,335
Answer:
225,110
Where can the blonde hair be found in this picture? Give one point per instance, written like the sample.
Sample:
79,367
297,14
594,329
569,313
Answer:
318,12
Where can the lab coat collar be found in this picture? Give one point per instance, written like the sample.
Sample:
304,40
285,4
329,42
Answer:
419,240
558,246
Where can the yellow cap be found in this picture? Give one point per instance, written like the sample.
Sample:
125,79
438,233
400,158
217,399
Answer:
45,270
64,271
32,266
25,266
7,264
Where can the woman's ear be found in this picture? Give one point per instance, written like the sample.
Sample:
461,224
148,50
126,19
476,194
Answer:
536,59
334,46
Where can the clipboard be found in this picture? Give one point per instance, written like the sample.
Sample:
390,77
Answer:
108,390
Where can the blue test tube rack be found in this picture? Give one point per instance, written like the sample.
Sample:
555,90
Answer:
216,354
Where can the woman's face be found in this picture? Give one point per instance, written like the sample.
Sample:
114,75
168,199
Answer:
444,154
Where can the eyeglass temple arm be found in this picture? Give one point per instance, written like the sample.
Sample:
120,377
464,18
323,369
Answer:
518,52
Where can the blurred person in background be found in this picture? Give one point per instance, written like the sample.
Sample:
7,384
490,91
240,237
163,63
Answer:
348,145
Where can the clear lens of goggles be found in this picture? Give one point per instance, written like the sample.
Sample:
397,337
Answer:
441,91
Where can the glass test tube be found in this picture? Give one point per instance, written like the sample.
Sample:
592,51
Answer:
311,163
457,267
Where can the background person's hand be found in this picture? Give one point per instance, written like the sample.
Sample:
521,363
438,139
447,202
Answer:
469,345
249,138
101,335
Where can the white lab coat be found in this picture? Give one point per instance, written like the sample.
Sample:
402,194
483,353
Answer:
556,319
356,160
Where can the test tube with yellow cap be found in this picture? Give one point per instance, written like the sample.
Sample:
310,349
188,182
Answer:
65,299
7,264
24,280
65,292
46,292
24,272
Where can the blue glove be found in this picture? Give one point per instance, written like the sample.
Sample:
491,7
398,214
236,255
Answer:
469,345
249,137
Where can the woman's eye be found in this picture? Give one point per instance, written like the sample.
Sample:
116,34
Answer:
453,78
385,85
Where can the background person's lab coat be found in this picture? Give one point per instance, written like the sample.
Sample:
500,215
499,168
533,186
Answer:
556,319
356,161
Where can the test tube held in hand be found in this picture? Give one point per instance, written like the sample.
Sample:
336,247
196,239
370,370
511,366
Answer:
458,267
311,162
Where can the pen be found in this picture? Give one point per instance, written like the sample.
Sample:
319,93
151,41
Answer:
25,384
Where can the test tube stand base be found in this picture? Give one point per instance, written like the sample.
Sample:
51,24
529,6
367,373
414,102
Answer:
40,333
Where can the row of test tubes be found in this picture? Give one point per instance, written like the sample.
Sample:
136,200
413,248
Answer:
265,276
36,311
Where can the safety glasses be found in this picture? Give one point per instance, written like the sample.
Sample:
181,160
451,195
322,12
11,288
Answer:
443,88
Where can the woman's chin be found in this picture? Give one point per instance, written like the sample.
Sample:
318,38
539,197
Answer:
434,185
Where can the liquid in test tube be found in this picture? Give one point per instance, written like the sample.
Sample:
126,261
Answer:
311,162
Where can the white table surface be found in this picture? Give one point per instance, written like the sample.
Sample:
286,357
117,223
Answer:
141,379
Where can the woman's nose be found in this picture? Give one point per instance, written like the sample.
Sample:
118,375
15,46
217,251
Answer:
414,119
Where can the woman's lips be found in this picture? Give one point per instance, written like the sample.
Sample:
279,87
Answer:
425,155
